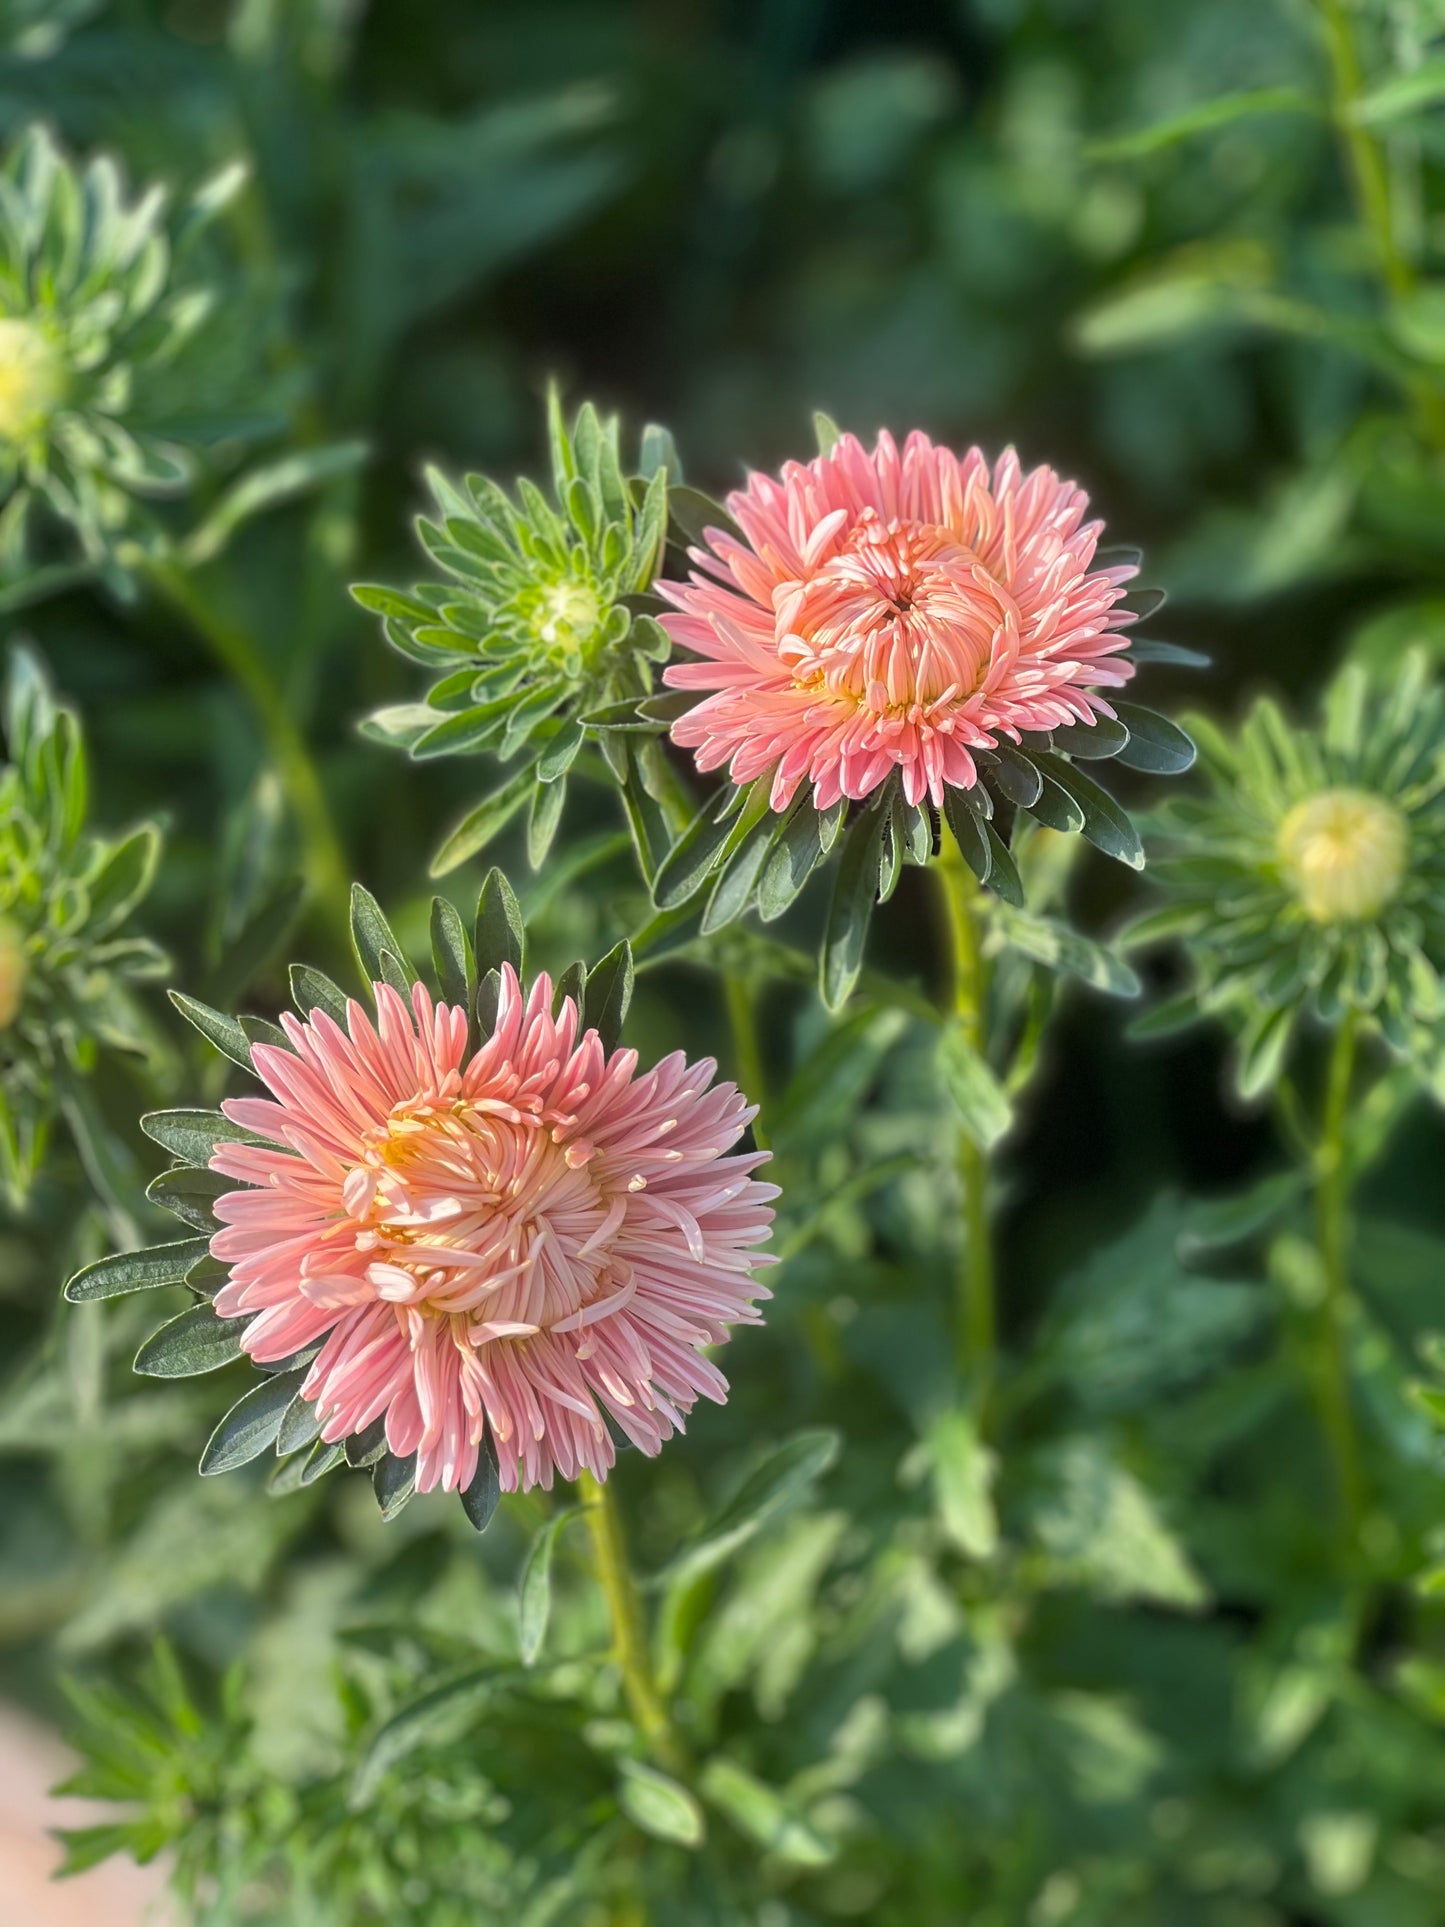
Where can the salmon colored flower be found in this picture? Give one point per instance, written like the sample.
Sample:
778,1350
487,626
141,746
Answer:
519,1239
893,611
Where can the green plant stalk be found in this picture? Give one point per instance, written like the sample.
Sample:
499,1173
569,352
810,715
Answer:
1370,172
624,1610
975,1330
747,1050
233,650
1337,1415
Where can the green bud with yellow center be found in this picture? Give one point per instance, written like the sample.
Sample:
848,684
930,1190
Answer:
568,616
14,968
1343,853
31,379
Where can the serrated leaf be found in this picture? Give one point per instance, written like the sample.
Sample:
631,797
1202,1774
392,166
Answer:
195,1342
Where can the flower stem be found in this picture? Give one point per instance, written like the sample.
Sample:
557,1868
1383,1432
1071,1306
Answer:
975,1334
747,1051
1374,194
232,649
624,1609
1332,1232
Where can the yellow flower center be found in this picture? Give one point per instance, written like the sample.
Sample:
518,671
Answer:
13,971
568,617
1344,853
31,379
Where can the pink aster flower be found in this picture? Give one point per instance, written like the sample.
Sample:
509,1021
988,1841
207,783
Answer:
890,612
516,1239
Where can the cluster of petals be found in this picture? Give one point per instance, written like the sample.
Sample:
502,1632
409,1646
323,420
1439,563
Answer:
514,1240
893,611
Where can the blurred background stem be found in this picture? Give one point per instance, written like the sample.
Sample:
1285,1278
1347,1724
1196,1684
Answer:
975,1334
326,866
747,1050
1332,1234
624,1610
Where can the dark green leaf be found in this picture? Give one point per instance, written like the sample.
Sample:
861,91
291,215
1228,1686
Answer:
224,1032
313,990
189,1194
1155,744
855,889
195,1342
451,954
194,1135
500,938
608,994
479,1500
251,1425
394,1483
1106,824
127,1271
780,1481
371,935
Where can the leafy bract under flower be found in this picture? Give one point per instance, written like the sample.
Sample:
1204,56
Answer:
1311,876
534,628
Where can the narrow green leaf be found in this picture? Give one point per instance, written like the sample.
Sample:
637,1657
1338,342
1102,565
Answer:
451,954
480,825
251,1425
1155,744
827,431
534,1592
1060,948
189,1194
436,1716
855,889
313,990
127,1271
608,994
194,1135
224,1032
659,1805
548,802
1003,873
780,1481
371,934
394,1483
500,937
1106,824
978,1096
763,1815
1203,118
195,1342
479,1500
1094,741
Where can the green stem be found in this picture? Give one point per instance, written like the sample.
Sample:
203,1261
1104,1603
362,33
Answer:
1332,1233
1370,173
624,1609
232,649
747,1050
975,1333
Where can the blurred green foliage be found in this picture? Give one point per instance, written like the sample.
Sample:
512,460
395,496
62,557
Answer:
1119,1664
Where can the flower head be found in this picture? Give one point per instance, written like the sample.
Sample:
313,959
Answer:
533,630
516,1239
470,1234
1311,876
894,611
100,395
66,962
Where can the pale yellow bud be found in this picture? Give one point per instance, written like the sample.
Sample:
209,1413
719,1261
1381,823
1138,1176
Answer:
31,379
14,967
568,616
1343,852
